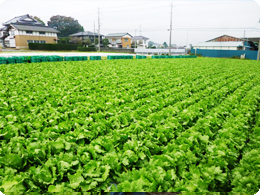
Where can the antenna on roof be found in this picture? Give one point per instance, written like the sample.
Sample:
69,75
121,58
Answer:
140,30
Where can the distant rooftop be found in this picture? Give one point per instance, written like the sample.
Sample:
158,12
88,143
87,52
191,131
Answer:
139,38
86,33
117,34
231,37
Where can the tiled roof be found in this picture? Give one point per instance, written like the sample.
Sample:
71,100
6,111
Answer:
24,19
35,28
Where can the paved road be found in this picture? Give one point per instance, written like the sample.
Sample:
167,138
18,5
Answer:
12,52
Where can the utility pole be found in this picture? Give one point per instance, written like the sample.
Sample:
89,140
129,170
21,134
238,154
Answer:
258,53
170,45
244,40
186,50
98,31
94,34
135,40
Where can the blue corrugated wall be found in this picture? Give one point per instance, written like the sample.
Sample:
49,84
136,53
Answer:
225,53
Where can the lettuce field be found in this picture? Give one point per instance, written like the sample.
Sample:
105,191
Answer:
151,125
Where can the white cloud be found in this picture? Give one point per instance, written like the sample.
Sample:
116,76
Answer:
258,1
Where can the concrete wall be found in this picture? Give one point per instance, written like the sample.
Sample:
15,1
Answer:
117,50
226,53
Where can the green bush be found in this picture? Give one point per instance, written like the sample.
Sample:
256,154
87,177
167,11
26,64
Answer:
86,49
53,47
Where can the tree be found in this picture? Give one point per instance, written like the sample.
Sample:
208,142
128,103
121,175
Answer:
64,40
87,42
66,25
38,19
105,42
165,45
75,40
150,44
96,41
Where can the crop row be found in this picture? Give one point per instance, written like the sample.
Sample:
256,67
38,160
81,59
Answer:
147,125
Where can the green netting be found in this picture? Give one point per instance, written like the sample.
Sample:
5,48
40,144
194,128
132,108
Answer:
10,60
35,59
75,58
3,60
54,58
19,59
95,57
119,57
68,58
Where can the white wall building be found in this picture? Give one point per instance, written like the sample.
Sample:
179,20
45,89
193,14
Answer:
22,30
228,45
140,42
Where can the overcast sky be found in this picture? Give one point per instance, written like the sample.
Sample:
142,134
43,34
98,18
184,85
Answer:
193,20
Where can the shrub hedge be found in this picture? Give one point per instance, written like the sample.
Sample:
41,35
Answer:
54,47
86,49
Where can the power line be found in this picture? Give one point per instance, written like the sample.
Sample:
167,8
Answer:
170,45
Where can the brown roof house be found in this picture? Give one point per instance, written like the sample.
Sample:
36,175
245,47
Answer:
225,38
22,30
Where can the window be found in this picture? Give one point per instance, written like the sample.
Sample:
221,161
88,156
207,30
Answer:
126,39
43,42
29,32
12,33
36,41
42,33
29,41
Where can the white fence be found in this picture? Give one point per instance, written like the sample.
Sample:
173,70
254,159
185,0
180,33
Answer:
159,51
